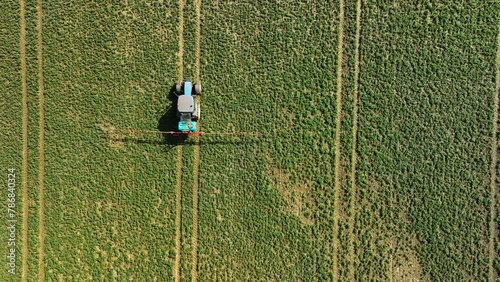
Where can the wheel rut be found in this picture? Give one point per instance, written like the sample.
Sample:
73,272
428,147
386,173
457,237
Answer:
354,188
178,187
338,122
24,91
41,141
197,160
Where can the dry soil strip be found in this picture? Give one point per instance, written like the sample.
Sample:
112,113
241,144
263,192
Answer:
24,90
494,160
41,142
354,142
178,186
340,53
196,168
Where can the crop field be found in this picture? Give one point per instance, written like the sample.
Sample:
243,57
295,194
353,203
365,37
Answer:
378,159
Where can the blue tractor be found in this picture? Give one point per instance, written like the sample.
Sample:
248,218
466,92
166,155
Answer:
188,106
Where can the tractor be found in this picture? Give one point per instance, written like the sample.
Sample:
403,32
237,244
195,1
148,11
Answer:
188,106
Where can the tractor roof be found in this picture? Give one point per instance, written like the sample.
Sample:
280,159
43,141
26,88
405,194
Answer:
185,104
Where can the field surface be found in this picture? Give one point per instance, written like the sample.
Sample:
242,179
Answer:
378,160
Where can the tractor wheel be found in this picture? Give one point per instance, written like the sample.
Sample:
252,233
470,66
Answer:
178,88
197,88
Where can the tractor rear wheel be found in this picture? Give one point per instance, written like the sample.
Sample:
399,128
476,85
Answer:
197,88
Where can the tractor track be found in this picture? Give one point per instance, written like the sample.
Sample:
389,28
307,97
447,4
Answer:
338,126
494,162
41,141
194,239
24,90
354,143
198,38
178,186
196,168
180,55
178,212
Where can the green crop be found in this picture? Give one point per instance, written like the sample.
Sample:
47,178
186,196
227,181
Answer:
11,134
418,120
426,103
109,198
266,203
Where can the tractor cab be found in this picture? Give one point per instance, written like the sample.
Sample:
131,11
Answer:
188,108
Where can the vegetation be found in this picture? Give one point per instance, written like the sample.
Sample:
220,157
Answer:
266,203
419,206
426,102
187,213
11,124
110,202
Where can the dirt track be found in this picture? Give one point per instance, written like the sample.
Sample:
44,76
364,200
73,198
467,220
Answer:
338,122
41,141
354,145
196,167
178,187
22,46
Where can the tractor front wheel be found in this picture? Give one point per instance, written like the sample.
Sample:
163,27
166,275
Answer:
197,88
178,88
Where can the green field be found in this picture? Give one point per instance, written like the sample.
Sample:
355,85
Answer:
378,160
